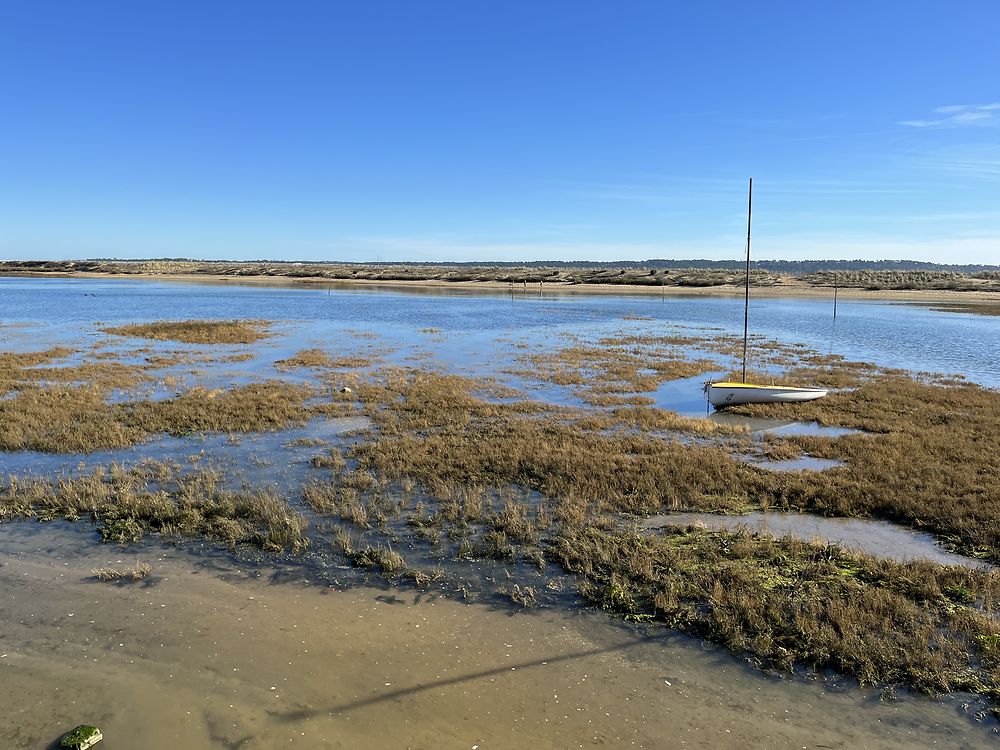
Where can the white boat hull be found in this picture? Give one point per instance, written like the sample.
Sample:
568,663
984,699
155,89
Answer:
732,394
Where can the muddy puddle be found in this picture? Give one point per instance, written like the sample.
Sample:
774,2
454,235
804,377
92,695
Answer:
208,654
802,463
879,538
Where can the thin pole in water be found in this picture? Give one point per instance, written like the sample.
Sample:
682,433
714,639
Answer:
834,301
746,297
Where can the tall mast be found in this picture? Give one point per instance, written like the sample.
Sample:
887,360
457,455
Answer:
746,297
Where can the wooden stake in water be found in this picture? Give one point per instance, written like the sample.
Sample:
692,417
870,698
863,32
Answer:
834,301
746,297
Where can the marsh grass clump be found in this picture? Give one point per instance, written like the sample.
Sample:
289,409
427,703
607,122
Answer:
923,459
12,363
125,507
774,448
255,407
419,577
196,331
319,359
788,602
650,419
332,459
306,358
614,399
79,418
495,545
387,560
344,502
28,371
137,572
610,368
522,596
506,482
514,522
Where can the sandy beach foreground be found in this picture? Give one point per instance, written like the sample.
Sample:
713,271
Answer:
205,654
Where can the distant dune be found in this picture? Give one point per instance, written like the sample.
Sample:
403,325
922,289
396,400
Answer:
650,275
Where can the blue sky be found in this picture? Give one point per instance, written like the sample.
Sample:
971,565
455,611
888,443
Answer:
518,130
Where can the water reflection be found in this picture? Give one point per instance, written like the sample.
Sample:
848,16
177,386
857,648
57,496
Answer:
686,396
783,427
879,538
802,463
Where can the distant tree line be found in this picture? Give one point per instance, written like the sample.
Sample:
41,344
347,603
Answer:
792,267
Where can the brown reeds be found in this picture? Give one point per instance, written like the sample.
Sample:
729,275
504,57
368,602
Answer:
925,458
79,419
190,504
786,602
137,572
196,331
319,359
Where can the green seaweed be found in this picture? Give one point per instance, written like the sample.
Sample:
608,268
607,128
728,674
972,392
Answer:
81,737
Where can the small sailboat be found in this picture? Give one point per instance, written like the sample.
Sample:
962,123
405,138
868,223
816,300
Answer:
731,393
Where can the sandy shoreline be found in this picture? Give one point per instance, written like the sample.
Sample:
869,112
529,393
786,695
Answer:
212,655
494,287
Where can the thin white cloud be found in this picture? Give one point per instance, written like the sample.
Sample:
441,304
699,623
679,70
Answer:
960,115
953,108
702,191
979,162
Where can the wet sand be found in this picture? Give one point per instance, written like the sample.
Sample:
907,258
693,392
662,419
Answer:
205,654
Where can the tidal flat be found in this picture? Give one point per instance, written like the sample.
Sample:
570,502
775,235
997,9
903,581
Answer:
496,462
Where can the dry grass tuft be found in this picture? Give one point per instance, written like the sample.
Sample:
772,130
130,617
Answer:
196,331
78,419
26,370
136,573
332,459
190,504
387,560
612,368
319,359
788,602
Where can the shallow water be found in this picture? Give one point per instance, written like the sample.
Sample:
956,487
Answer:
787,427
879,538
802,463
898,335
206,655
